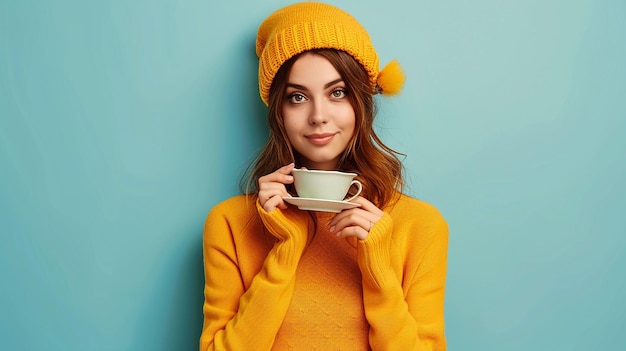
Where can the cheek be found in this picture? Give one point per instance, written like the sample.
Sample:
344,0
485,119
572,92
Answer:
292,127
348,120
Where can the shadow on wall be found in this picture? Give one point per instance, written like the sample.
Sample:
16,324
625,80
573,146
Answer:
176,299
248,115
187,299
172,315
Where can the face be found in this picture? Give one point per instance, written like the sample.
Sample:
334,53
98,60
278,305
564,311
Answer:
318,117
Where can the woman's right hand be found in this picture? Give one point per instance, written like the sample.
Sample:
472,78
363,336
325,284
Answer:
272,188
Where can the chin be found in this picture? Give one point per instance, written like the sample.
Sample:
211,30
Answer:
322,163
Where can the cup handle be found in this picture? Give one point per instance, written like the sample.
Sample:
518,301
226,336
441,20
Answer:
359,186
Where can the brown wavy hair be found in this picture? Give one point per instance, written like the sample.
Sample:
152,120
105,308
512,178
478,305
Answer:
378,167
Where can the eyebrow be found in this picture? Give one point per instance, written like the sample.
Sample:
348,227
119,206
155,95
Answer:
326,86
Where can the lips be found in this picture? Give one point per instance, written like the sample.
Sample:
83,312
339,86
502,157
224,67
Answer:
320,138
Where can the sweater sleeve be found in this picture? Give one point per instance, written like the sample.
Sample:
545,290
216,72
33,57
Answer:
237,319
405,315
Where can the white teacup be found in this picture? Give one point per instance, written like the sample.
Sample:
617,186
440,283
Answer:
325,185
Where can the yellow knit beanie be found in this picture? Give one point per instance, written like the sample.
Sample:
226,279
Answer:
311,25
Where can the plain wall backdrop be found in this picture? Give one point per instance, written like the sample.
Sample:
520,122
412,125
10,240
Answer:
122,123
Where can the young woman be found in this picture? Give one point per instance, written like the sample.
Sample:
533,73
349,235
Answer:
280,278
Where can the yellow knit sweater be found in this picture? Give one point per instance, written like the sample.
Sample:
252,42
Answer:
281,281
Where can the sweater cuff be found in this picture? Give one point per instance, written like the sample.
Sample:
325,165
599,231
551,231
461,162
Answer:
374,252
289,226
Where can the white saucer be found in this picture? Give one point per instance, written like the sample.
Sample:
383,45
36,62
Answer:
308,204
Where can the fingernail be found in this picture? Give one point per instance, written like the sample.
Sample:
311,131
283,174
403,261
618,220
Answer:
332,229
338,234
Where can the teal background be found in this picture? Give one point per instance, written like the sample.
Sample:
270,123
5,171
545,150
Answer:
122,123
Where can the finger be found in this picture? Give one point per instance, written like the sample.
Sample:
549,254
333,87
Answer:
286,169
281,175
356,218
274,202
367,205
272,187
271,190
276,178
348,216
356,231
282,205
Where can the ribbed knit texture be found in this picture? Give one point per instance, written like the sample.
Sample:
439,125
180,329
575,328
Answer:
327,298
274,281
311,25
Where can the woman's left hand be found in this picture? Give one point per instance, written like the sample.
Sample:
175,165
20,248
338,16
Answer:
356,221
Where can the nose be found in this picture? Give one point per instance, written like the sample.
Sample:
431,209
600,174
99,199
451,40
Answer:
318,114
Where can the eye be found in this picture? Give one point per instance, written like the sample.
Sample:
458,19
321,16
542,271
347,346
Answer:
296,98
339,93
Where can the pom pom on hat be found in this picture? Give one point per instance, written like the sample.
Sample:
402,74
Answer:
390,79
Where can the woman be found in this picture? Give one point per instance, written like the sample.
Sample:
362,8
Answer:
367,278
